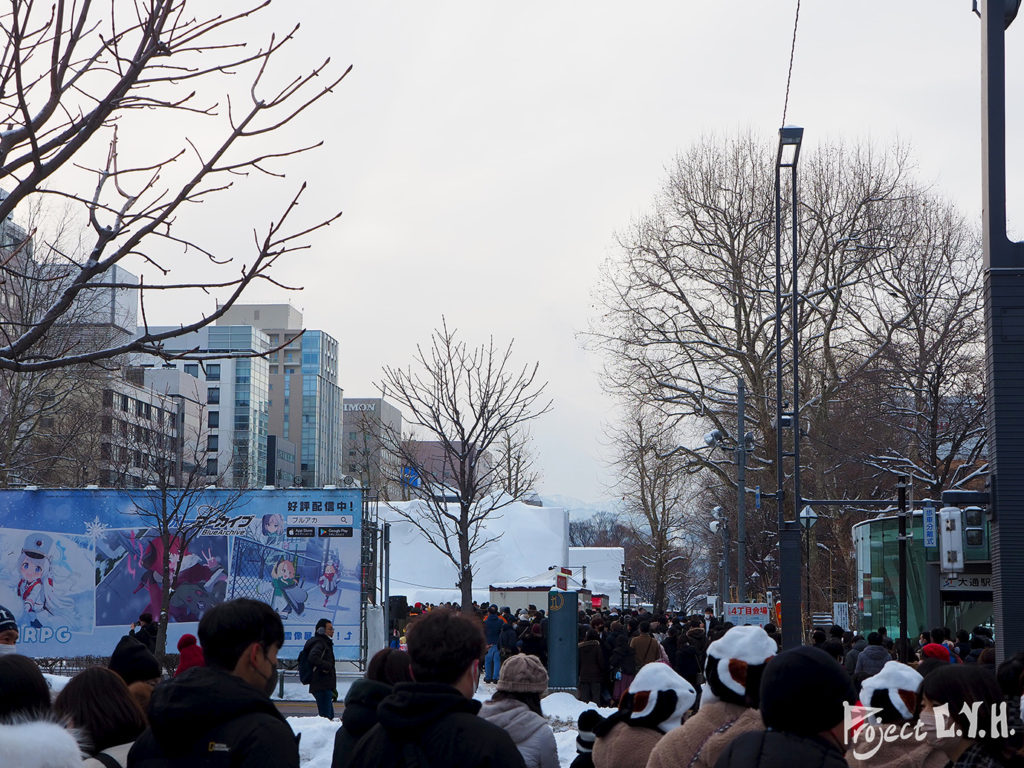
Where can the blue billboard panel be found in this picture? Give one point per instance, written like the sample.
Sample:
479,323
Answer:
78,566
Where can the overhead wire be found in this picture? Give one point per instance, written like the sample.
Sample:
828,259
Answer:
792,52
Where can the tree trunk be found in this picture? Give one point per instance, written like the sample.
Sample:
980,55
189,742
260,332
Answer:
465,566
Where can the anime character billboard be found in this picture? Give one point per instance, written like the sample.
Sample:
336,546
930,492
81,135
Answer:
81,565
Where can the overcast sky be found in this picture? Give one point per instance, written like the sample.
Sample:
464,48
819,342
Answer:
485,154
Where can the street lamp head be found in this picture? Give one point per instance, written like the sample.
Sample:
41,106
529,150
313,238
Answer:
712,438
790,138
713,525
717,512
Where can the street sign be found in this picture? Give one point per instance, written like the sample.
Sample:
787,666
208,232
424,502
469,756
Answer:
747,613
931,531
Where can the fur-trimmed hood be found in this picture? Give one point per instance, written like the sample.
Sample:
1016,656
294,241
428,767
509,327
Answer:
39,744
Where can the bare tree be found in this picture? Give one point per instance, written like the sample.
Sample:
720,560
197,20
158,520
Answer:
659,498
515,464
74,78
463,399
158,454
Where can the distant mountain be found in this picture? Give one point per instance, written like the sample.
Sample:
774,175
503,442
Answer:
579,509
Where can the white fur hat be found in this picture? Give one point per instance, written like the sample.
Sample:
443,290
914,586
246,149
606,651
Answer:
748,645
650,682
894,677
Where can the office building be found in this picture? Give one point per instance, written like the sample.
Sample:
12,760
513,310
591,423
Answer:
372,428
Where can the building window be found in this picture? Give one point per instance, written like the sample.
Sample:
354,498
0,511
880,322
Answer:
273,370
213,395
213,372
211,466
148,411
192,369
351,435
212,442
213,419
124,402
108,398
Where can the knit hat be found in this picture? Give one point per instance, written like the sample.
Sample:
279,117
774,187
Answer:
802,692
585,731
658,697
133,661
900,681
523,673
185,641
936,651
731,659
7,620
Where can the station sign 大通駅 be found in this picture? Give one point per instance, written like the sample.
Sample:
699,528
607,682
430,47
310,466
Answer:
77,567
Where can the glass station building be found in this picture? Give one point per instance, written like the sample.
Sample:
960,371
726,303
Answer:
934,599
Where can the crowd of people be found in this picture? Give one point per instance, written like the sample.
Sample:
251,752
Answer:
687,692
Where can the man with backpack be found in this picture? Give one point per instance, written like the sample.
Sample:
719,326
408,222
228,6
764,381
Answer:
317,670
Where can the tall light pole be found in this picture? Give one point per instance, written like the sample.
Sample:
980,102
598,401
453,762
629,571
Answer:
720,524
808,517
1004,334
790,138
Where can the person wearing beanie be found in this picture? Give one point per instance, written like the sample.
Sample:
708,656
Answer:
585,737
728,707
515,707
493,625
896,693
803,693
190,654
8,631
653,705
134,663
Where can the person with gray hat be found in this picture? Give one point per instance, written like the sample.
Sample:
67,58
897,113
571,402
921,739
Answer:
515,706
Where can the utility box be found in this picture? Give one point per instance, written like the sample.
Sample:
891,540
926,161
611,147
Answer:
563,631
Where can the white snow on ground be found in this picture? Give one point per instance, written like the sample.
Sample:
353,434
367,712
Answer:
316,747
56,683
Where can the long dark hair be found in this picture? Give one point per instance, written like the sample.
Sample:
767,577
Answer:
531,699
23,689
959,684
389,666
97,701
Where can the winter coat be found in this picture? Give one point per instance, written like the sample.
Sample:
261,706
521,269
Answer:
508,640
687,664
146,634
191,655
646,649
119,753
777,749
625,746
850,660
535,645
895,754
38,744
209,717
623,657
700,740
321,659
358,717
592,668
870,662
492,628
435,725
530,731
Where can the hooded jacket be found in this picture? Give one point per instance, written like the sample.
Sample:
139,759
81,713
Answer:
432,724
530,731
210,718
38,744
704,736
870,662
850,660
778,749
625,746
358,717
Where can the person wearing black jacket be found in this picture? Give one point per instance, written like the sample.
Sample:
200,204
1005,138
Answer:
324,683
221,714
433,721
146,632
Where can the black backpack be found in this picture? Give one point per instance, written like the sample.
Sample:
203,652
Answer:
305,665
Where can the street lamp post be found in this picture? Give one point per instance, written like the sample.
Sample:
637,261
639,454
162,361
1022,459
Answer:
720,524
808,517
790,138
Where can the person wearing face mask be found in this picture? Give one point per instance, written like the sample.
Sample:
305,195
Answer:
222,713
8,632
434,720
957,687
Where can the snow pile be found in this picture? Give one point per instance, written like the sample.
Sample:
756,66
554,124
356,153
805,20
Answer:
603,567
316,747
55,682
563,710
531,540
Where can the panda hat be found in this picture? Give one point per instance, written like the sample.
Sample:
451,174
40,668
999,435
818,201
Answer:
900,681
735,662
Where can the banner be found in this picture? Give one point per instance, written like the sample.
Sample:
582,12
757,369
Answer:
747,613
77,567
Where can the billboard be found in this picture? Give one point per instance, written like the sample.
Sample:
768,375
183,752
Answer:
78,566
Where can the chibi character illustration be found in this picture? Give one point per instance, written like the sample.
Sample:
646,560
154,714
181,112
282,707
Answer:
274,539
35,578
328,581
288,593
204,574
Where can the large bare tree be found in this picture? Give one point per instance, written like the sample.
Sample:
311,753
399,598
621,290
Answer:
462,399
83,88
